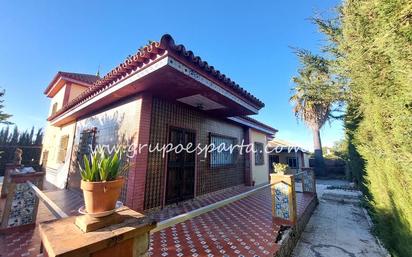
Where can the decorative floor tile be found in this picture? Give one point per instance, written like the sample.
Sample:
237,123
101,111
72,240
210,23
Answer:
243,228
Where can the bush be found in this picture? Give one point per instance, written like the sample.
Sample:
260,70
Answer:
376,46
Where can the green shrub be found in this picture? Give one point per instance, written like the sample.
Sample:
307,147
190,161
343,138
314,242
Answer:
102,167
280,168
376,50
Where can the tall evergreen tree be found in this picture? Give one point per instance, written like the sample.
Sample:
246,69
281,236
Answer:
3,116
372,41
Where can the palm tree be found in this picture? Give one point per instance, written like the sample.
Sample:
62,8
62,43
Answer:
316,94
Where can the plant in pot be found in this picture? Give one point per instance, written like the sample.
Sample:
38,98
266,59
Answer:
102,180
280,168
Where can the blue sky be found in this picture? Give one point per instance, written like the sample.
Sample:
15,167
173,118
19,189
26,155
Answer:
247,40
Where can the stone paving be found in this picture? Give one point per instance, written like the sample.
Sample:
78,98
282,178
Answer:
338,228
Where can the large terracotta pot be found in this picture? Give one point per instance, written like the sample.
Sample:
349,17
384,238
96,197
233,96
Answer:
101,196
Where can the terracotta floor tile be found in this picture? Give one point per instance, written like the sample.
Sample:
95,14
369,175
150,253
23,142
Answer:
243,228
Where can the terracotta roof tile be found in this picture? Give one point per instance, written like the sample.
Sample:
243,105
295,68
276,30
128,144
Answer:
85,78
168,43
151,52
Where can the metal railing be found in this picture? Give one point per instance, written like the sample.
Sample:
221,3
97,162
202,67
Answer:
51,206
59,213
191,214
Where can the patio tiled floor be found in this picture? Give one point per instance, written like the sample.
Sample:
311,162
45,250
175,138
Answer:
243,228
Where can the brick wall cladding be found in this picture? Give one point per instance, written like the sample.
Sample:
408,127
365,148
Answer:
116,125
165,115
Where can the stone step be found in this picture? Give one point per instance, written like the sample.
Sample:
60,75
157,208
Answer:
342,196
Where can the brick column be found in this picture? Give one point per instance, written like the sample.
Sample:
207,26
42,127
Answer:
137,172
248,159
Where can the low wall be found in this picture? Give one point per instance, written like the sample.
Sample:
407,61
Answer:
291,237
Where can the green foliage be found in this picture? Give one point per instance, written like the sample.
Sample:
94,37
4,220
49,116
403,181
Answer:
355,162
317,97
374,51
280,168
3,116
29,141
337,151
371,44
316,93
101,166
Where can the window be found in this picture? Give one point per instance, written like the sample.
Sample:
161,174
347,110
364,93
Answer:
259,154
45,159
87,141
54,108
64,141
222,155
273,159
292,162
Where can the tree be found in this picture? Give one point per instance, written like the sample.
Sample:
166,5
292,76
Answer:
29,141
3,116
372,42
316,98
377,47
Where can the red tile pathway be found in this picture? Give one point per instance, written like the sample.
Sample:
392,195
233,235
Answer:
243,228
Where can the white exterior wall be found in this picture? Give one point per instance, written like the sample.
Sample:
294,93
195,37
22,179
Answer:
56,172
260,173
123,118
57,98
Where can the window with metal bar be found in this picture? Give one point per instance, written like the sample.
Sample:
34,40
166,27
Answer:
87,142
259,154
222,155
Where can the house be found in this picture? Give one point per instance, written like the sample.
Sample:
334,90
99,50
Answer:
162,94
281,151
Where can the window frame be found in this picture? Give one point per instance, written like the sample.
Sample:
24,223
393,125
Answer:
261,160
275,156
296,160
61,154
235,152
93,133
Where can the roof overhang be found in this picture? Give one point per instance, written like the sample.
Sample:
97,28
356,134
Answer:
167,77
255,125
58,82
282,147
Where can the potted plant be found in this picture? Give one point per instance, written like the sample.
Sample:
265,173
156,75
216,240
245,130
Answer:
280,168
102,180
